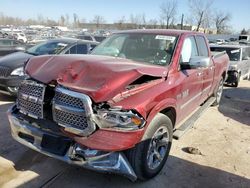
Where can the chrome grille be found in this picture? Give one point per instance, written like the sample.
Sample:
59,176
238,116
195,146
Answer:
63,99
4,71
69,118
72,111
30,98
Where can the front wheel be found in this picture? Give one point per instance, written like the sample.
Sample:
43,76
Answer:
149,156
218,93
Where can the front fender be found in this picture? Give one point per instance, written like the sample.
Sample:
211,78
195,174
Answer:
167,103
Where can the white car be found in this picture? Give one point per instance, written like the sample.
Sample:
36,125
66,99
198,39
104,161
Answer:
21,37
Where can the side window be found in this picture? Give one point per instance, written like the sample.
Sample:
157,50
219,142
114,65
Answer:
189,49
72,50
82,49
202,46
92,46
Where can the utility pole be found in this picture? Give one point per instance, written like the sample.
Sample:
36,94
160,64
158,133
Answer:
182,18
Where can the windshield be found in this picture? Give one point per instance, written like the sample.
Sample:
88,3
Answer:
233,53
147,48
50,47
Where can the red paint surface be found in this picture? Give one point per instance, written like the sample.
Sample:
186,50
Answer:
106,140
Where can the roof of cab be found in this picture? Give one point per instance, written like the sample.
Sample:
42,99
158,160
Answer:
160,31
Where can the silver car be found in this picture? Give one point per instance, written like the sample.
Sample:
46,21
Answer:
239,66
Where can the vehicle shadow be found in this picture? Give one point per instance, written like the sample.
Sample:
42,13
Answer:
235,104
177,173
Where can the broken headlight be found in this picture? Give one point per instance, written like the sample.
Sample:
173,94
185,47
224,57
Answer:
124,120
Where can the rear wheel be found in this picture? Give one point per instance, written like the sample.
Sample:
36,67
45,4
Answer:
218,93
149,156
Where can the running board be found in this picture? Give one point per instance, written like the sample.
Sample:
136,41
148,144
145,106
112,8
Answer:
178,133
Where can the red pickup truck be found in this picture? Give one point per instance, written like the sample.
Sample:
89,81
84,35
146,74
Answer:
117,109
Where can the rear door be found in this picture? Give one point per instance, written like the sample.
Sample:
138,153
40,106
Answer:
208,72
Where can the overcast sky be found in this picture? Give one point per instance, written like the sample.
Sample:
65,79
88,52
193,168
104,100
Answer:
112,10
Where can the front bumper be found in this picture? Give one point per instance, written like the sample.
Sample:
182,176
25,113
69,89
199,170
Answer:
34,138
9,85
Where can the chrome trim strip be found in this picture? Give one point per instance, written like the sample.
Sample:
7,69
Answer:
69,109
5,92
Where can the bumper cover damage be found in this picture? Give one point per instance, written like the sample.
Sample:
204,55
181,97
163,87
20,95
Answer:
102,161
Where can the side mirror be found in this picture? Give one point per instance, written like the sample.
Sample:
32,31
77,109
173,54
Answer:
199,62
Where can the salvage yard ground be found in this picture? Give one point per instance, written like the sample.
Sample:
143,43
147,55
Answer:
222,135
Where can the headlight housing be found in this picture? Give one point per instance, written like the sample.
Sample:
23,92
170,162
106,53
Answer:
18,72
118,119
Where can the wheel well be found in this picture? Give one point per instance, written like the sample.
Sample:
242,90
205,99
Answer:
171,113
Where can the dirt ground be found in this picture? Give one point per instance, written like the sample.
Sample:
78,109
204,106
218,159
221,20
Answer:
222,135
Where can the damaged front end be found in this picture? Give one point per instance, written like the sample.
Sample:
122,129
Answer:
60,147
75,116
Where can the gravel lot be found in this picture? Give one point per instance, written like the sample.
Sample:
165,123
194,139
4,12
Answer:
222,135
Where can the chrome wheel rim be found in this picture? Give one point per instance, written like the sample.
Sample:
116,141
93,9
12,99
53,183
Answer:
158,148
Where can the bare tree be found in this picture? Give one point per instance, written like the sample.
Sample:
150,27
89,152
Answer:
121,22
62,20
153,23
67,20
76,20
221,20
200,10
98,20
243,32
168,12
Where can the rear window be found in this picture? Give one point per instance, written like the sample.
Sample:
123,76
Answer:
202,46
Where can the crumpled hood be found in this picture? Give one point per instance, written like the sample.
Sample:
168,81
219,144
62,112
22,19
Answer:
100,77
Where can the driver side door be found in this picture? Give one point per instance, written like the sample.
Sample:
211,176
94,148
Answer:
191,79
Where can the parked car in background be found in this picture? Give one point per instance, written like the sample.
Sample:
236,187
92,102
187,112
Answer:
99,38
11,66
86,37
8,46
239,66
116,110
20,37
244,38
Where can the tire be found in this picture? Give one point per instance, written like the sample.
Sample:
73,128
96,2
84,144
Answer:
155,145
218,93
236,83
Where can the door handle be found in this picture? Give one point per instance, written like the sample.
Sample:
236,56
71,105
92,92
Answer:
211,68
199,73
